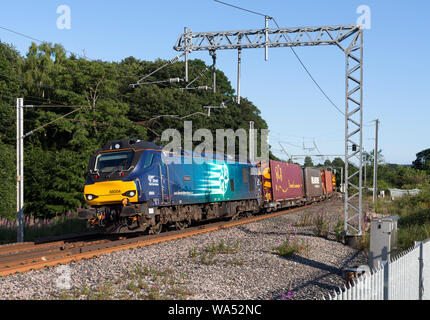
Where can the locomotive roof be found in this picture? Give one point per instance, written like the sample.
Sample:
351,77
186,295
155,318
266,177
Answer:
141,144
130,143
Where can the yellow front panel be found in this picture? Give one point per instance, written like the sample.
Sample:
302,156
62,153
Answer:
110,192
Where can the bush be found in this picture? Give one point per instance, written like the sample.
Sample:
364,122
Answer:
321,224
339,228
407,235
292,246
35,228
414,213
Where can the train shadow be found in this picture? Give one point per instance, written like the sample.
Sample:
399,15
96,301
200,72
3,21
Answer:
308,233
320,281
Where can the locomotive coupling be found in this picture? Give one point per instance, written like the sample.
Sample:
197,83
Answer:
128,211
133,210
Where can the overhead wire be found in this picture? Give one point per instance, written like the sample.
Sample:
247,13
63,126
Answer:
240,8
42,41
47,124
42,99
156,70
296,55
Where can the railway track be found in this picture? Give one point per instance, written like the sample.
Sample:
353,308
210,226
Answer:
23,257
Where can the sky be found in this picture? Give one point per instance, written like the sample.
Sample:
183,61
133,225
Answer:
396,64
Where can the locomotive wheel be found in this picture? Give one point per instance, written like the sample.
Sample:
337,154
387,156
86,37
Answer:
181,225
235,216
156,229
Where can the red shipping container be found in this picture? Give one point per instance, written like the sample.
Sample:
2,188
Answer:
328,182
287,180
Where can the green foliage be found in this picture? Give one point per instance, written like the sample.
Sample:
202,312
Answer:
339,228
321,224
414,213
8,179
308,162
398,176
10,65
423,161
35,228
292,245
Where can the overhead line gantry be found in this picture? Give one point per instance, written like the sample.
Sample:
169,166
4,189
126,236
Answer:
349,39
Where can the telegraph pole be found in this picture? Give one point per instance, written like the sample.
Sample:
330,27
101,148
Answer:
20,167
20,136
365,172
186,55
375,162
251,142
239,60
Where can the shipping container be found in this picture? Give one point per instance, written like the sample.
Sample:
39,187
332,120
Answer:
323,182
266,181
287,181
313,185
333,179
328,182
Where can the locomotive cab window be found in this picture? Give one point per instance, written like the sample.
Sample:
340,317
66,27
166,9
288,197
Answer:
114,161
148,160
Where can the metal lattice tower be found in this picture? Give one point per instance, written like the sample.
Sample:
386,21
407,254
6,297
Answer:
349,38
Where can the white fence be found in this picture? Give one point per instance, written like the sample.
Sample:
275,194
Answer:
405,277
398,193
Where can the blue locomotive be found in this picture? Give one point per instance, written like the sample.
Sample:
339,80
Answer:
131,187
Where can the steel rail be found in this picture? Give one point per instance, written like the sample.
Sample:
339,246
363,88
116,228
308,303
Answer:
91,250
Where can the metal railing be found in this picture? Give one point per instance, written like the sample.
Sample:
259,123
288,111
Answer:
404,277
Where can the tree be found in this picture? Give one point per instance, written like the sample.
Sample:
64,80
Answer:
308,162
10,65
423,161
8,179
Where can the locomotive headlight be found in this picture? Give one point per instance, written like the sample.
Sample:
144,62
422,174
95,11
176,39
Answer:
131,193
90,197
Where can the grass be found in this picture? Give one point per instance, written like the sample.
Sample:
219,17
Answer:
143,283
221,247
414,213
321,224
215,253
35,228
305,219
293,245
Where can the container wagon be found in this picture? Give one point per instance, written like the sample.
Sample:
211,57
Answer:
282,184
313,185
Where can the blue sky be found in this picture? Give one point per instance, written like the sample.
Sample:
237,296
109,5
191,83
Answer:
396,64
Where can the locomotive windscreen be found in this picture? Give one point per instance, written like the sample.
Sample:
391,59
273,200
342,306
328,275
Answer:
114,161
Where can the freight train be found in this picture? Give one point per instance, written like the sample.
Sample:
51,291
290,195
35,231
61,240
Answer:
131,188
